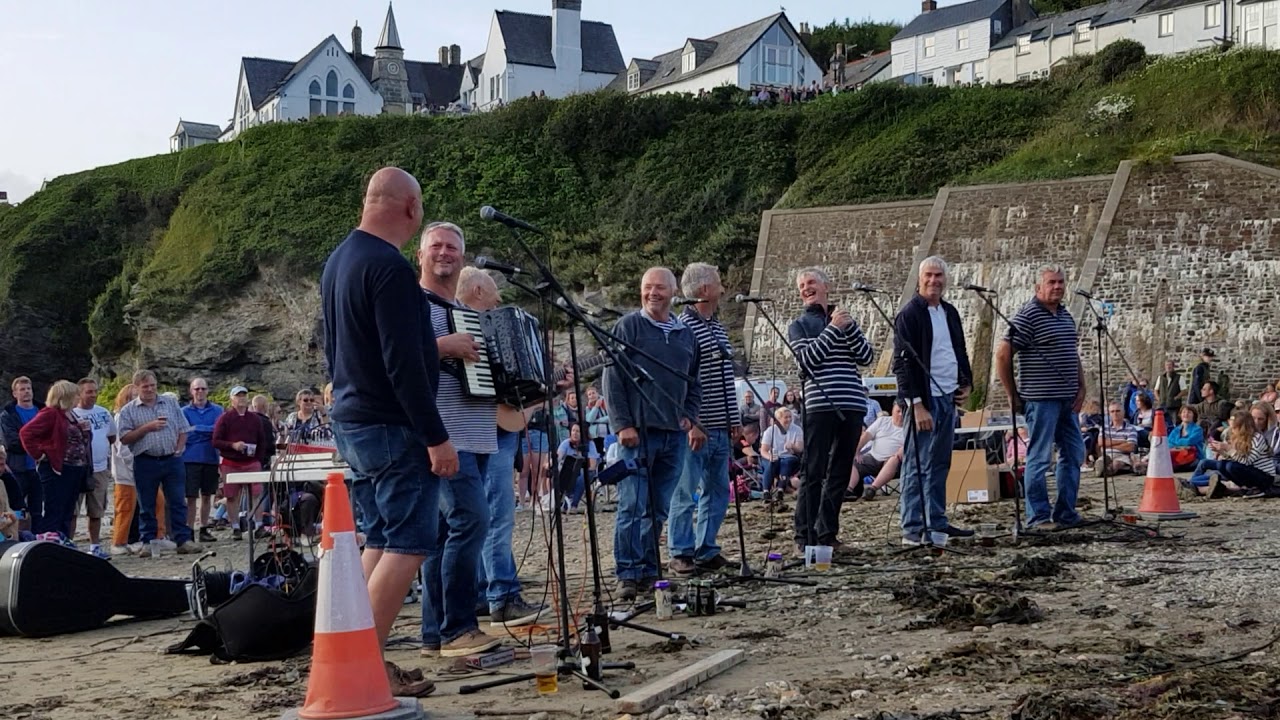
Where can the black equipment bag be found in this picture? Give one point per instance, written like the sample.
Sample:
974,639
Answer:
47,589
257,624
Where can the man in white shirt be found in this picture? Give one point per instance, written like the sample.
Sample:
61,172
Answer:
103,426
781,447
879,456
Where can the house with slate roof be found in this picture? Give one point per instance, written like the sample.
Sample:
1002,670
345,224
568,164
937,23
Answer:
767,52
554,55
190,134
950,45
1167,27
332,80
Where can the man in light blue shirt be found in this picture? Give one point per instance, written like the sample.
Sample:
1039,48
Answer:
200,457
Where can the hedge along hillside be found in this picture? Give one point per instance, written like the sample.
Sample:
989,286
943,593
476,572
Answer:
619,183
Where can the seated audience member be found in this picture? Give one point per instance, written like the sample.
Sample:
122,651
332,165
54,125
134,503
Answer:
1144,419
573,446
1264,423
1213,411
879,448
1245,464
749,410
781,448
1120,444
1132,392
1186,440
1269,395
1090,426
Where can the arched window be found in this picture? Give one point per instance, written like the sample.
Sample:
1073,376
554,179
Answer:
317,104
349,99
331,84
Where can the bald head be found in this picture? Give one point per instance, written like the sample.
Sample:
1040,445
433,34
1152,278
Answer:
657,289
392,206
477,290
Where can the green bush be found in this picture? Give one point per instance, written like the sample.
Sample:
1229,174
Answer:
1119,58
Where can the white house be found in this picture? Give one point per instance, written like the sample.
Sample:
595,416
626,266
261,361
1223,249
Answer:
190,134
555,56
767,52
1029,51
950,45
1168,27
1258,23
332,80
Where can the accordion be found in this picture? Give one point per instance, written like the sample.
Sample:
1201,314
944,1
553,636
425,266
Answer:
512,366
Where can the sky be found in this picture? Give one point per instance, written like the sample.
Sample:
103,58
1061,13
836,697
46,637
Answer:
87,83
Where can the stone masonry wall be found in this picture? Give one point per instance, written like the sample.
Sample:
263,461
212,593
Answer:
1184,253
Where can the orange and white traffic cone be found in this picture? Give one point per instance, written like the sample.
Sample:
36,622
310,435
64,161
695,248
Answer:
348,678
1160,492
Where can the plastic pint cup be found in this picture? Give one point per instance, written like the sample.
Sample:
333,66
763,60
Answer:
545,667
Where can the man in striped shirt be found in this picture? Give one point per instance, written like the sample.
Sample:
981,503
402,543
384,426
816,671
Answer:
1050,391
706,469
449,624
829,346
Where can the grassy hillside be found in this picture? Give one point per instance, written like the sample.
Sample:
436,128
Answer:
620,183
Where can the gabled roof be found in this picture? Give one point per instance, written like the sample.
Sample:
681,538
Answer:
727,48
528,41
1059,24
950,16
476,67
264,76
198,130
857,72
432,83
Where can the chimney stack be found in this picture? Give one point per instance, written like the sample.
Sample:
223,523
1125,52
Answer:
928,6
455,55
444,55
356,35
1021,12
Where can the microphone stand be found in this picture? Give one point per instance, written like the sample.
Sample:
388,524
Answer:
1101,333
912,434
1019,489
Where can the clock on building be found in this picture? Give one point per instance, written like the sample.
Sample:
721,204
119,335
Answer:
393,68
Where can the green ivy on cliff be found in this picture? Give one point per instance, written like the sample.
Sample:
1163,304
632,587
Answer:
619,183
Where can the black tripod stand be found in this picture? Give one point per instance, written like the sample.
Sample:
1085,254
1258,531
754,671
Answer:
912,432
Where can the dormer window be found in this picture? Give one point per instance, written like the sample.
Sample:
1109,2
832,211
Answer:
688,61
1083,31
633,80
1024,44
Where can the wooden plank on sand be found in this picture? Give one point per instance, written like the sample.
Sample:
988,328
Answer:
655,693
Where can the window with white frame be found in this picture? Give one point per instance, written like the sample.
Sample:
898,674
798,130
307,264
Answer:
980,71
1166,24
962,39
317,103
326,100
1024,44
1024,76
1213,15
997,28
1252,24
349,99
688,62
929,41
633,80
926,79
776,51
1084,32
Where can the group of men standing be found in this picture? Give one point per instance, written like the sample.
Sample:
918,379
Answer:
433,474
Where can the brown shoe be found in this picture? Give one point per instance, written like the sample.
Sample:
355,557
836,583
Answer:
839,548
469,643
682,566
408,683
712,564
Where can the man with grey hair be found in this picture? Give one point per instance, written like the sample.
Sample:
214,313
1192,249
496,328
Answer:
666,410
706,470
829,346
449,624
931,365
1050,390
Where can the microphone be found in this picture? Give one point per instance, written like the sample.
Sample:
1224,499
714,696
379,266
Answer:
864,288
1084,294
562,303
487,263
686,301
489,213
740,298
979,289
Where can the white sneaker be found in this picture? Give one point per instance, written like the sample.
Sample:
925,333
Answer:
121,550
167,544
135,548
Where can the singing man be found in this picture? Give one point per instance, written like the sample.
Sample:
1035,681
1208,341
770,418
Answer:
706,471
829,346
1050,391
932,367
664,410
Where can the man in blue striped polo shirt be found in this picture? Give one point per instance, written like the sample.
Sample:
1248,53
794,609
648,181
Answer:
706,468
1050,391
829,346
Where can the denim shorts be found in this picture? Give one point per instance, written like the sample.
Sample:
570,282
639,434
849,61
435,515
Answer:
396,492
538,441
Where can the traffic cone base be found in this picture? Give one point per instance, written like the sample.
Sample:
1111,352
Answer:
348,678
1160,491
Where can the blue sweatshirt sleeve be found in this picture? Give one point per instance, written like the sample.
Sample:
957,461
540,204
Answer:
400,313
621,414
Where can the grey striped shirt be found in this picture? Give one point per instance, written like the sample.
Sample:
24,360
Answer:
1048,363
162,442
472,422
715,372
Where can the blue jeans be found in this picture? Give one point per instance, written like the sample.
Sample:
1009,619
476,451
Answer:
151,475
705,472
635,533
60,491
449,572
782,470
496,575
1236,472
1050,422
934,448
32,494
396,495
